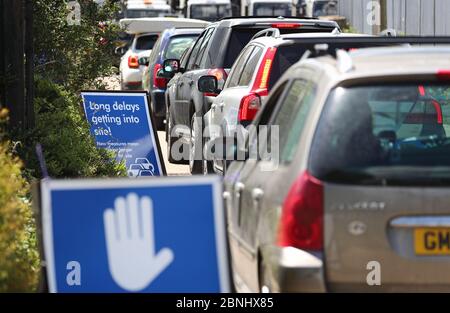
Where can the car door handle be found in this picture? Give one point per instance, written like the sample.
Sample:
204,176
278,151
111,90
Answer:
257,194
213,106
191,82
181,84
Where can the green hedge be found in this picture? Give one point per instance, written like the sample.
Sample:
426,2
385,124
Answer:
64,135
19,261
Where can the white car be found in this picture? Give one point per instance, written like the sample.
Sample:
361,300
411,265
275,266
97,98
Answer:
146,32
130,69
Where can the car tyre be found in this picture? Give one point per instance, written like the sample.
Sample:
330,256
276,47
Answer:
195,146
171,140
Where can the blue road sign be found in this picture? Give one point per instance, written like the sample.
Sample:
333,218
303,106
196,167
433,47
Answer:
156,235
121,122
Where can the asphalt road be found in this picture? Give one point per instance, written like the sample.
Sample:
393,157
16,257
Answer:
172,169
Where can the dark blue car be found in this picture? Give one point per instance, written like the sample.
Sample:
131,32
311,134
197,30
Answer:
170,45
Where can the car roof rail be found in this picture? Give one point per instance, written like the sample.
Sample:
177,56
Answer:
268,32
389,33
343,58
344,61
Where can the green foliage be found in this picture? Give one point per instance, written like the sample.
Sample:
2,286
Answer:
74,55
19,261
61,129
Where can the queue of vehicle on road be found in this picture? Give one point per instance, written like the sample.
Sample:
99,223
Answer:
353,166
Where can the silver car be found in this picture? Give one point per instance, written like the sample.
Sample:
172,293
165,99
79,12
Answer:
358,197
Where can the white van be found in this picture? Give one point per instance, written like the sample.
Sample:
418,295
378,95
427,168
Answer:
268,8
146,8
208,10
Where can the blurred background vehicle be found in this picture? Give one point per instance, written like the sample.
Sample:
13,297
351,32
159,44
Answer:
268,8
317,8
208,10
144,8
214,52
170,45
362,175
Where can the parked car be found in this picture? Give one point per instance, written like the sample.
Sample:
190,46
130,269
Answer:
214,53
130,69
145,31
170,45
257,69
362,177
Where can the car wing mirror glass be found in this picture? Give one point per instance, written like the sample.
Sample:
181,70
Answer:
171,66
208,84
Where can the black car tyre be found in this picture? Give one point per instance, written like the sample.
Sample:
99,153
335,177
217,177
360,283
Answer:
195,146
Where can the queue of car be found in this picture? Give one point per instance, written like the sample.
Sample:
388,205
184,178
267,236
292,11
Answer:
338,150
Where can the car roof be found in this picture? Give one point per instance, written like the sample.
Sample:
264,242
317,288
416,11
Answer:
254,21
274,41
384,61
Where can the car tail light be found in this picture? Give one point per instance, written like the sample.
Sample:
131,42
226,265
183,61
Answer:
301,224
249,107
438,109
221,76
251,103
422,91
133,61
286,25
158,82
263,75
443,75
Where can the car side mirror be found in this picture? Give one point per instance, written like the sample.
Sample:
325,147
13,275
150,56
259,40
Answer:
120,51
208,84
171,66
144,61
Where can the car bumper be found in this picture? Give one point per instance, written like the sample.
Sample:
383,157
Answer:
158,103
295,270
132,79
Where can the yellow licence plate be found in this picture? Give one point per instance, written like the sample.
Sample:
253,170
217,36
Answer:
432,241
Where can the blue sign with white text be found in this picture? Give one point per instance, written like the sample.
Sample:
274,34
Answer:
158,235
121,122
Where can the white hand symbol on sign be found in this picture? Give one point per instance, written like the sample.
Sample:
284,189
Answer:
133,261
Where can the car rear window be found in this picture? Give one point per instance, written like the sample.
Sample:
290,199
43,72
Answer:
240,37
285,57
177,45
384,134
146,42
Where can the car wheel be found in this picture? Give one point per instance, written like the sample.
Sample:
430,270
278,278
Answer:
195,153
159,121
171,140
207,167
265,285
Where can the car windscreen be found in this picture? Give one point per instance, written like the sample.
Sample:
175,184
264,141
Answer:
146,42
178,45
210,12
272,9
384,135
